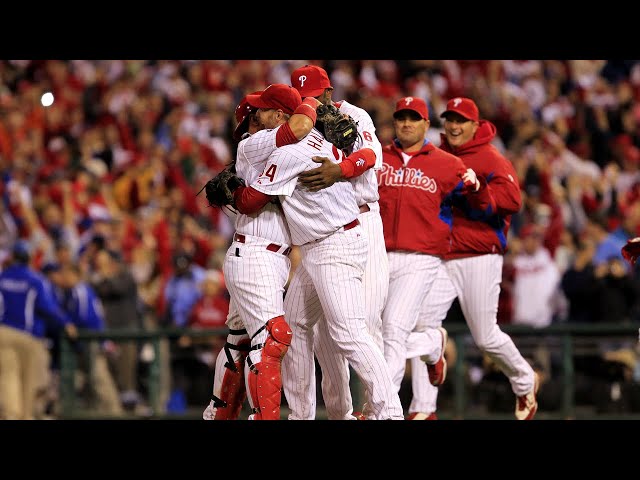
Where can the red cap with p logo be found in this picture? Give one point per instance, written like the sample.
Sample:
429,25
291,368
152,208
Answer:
310,80
463,106
416,104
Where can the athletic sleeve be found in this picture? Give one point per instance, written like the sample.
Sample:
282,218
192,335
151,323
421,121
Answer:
257,147
367,131
280,175
503,186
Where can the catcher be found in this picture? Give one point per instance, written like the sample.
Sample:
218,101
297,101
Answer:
256,265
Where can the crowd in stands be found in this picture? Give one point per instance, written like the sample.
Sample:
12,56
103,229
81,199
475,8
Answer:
102,185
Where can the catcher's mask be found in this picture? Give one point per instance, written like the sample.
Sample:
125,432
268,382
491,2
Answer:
243,112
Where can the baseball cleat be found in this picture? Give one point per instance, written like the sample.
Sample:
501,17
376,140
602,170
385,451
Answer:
438,371
527,405
422,416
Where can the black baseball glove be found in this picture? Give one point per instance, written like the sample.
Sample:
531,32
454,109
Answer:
338,128
219,190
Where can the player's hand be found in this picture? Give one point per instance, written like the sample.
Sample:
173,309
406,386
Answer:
71,331
324,176
470,180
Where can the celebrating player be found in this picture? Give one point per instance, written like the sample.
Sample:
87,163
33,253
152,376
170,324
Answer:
334,251
313,81
473,266
256,266
415,184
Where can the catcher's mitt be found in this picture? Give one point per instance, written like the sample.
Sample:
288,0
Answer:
631,251
338,128
219,190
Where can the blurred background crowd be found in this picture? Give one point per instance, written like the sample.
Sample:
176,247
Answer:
102,186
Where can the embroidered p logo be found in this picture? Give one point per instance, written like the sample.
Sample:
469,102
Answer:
302,79
456,102
408,100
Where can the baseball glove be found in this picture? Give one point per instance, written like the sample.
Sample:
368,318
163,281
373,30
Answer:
631,251
219,190
338,128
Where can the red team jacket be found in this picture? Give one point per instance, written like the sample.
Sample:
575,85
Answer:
415,200
480,232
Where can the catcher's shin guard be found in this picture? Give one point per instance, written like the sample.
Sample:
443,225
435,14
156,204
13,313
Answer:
228,384
264,381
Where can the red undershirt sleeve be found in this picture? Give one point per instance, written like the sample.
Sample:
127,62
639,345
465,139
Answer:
357,163
249,200
285,136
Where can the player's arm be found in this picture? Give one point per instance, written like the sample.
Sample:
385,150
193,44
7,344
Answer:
504,189
248,200
474,188
367,154
278,178
329,172
367,137
299,124
257,147
478,194
497,194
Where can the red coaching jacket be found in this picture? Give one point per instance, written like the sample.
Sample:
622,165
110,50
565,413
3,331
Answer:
415,199
477,232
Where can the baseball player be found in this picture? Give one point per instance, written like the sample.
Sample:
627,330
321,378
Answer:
313,81
415,185
334,249
257,266
473,266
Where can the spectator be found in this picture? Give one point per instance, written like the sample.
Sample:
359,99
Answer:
180,295
117,291
28,306
85,309
536,281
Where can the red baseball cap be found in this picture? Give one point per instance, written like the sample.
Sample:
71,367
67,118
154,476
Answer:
242,116
416,104
278,96
310,80
463,106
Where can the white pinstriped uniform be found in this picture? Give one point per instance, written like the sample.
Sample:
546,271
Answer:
335,369
411,274
334,260
476,282
255,276
433,311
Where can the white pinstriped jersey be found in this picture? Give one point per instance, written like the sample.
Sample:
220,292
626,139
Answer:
365,185
269,221
310,215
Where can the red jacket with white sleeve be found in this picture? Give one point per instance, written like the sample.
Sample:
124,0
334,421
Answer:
475,231
413,206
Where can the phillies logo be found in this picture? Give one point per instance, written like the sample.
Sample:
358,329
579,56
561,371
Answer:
302,79
407,177
408,100
456,102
